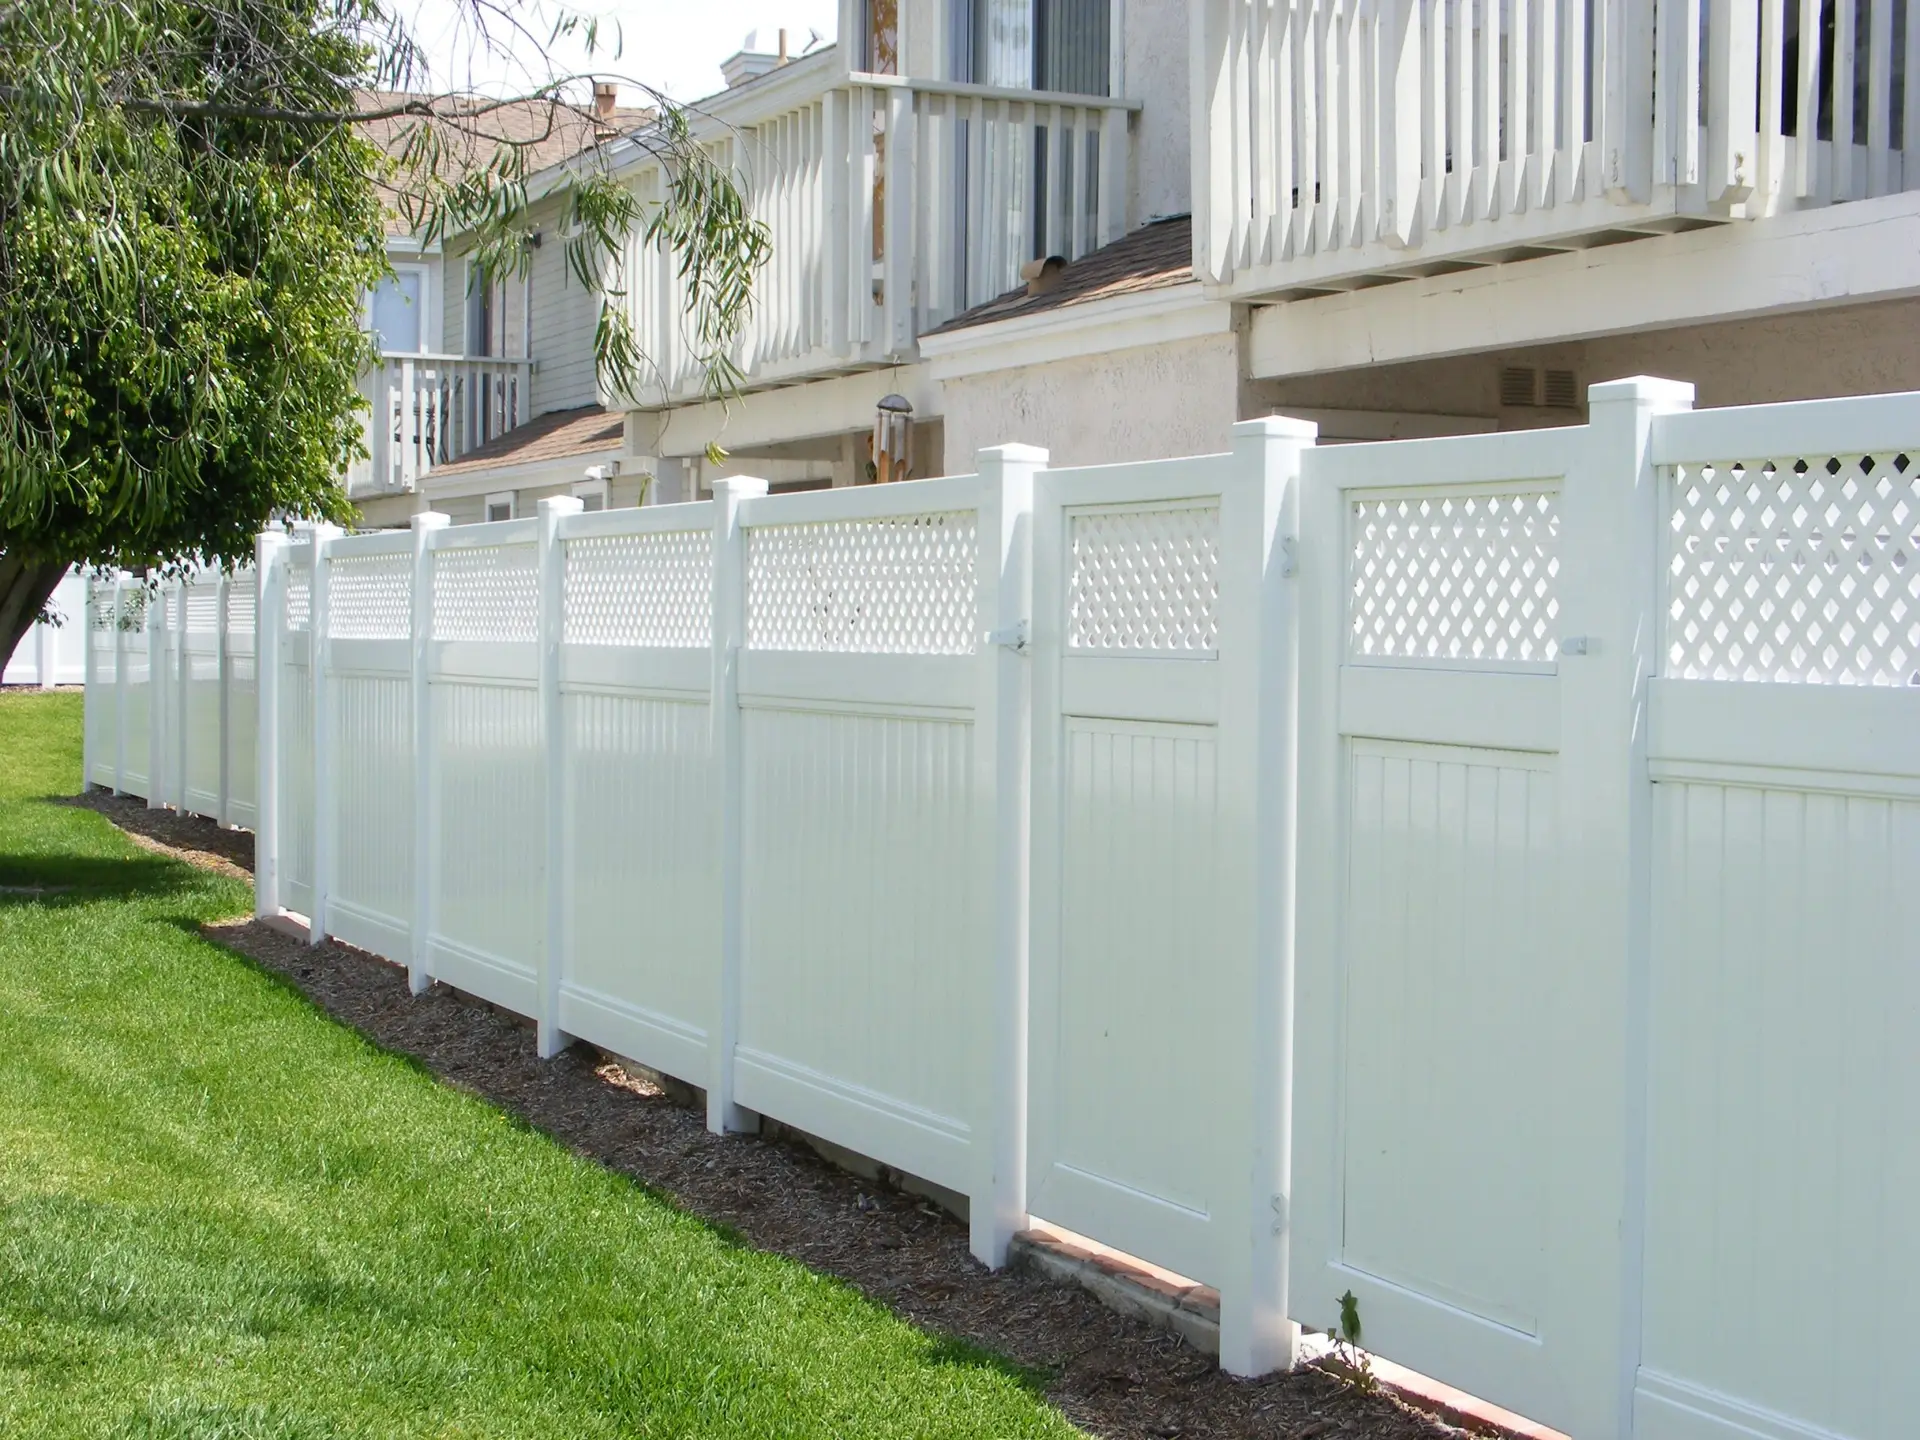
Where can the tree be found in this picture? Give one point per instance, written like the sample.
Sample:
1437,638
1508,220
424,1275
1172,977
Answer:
191,210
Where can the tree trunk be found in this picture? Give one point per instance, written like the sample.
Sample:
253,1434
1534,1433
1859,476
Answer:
25,588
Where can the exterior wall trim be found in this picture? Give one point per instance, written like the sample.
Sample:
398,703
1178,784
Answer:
1125,322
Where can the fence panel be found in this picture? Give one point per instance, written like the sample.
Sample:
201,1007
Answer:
860,885
200,742
136,740
1785,992
640,865
369,693
242,699
1434,967
488,778
103,694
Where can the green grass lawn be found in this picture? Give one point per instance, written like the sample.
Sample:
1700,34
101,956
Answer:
222,1215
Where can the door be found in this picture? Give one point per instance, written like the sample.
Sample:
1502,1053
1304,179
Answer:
1436,1048
1133,973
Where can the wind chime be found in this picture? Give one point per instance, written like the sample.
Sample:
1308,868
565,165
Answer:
892,439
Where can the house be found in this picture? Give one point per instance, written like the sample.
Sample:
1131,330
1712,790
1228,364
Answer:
486,386
1114,229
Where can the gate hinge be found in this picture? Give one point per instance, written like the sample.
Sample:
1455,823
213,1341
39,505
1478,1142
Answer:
1014,637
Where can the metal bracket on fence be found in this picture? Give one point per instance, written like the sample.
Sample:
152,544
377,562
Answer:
1577,645
1289,560
1014,637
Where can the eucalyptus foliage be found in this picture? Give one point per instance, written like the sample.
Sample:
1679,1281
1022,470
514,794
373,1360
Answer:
191,211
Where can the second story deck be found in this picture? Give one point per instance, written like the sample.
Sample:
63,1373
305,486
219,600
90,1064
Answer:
893,204
1342,144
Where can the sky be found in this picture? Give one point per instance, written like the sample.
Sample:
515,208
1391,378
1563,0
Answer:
674,45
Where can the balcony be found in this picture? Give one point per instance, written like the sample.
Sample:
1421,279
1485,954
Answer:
893,204
426,410
1350,144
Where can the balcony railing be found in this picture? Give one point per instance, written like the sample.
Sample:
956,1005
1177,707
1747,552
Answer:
893,204
427,410
1349,140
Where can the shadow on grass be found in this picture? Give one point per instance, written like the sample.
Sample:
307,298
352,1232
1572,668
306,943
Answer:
80,879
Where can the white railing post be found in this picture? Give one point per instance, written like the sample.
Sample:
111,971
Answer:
729,636
1259,712
269,628
426,810
1609,654
323,837
1003,762
897,273
549,1041
223,807
1398,36
156,699
1733,67
46,654
119,683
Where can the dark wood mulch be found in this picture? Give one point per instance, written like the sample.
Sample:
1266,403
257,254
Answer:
1111,1375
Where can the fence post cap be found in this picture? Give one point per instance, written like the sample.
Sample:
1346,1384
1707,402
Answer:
1277,427
429,520
739,487
989,456
1643,389
561,505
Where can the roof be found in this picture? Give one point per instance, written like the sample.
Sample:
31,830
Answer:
552,436
550,130
1154,257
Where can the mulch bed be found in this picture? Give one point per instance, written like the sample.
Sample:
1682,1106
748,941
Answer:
1111,1375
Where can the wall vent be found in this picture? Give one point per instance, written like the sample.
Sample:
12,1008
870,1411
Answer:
1561,390
1517,385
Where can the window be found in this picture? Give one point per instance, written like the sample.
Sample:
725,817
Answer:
1038,44
396,311
479,338
592,494
500,506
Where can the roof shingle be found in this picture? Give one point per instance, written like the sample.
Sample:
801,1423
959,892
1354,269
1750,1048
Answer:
1154,257
552,436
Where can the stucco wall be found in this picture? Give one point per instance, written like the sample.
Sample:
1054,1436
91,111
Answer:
1810,355
1156,74
1142,404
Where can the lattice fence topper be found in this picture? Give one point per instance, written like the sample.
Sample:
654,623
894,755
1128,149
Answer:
486,592
203,607
370,597
1455,577
1799,571
299,594
898,585
1144,579
241,602
648,589
100,607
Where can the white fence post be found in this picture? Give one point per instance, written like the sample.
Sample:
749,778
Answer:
553,620
426,846
119,683
1259,519
223,809
182,682
269,626
729,635
1608,656
1004,766
155,617
323,839
89,678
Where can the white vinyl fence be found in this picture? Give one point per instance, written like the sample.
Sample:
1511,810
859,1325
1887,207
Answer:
170,709
54,653
1476,875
